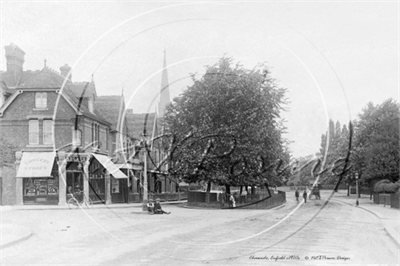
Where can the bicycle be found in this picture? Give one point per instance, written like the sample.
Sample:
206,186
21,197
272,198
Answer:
78,203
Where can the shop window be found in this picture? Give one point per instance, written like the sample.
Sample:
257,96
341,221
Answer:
40,186
47,131
40,100
115,186
34,132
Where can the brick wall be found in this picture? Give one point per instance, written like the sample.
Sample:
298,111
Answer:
7,175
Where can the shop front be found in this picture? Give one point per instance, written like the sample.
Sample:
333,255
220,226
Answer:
107,178
38,178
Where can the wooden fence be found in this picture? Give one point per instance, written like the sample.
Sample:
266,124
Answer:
392,199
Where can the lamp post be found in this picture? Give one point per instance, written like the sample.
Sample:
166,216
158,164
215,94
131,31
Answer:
356,175
145,192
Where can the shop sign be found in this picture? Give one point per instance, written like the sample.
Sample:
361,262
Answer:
36,164
77,158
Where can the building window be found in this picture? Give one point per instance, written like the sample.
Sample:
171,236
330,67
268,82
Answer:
47,131
76,137
107,133
34,132
40,100
95,135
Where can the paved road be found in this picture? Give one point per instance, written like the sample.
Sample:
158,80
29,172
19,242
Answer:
336,234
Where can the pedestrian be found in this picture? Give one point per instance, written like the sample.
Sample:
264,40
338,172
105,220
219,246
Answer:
158,209
232,201
244,196
296,193
305,196
222,198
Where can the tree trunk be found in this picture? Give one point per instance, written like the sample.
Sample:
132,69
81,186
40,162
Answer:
253,190
228,189
208,192
348,190
240,190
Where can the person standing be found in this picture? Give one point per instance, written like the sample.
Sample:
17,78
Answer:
232,201
305,196
244,196
296,193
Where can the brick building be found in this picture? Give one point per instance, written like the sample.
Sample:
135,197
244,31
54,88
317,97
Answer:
65,137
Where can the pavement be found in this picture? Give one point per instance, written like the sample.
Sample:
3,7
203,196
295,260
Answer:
11,234
390,217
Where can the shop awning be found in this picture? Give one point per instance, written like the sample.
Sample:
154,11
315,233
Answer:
109,165
36,164
123,166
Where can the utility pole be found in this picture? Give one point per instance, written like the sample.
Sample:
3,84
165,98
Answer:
145,192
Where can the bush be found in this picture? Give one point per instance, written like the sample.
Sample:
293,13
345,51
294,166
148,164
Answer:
385,186
379,186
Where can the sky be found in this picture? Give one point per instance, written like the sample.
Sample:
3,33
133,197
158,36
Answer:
333,57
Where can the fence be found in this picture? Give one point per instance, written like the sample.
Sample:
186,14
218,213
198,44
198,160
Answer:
301,188
136,197
252,201
392,200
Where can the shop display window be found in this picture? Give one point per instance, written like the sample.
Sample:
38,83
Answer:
40,186
115,186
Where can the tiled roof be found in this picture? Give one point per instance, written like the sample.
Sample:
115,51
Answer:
4,88
9,79
78,87
46,78
136,124
109,107
83,107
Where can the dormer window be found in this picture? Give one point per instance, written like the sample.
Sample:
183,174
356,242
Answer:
40,100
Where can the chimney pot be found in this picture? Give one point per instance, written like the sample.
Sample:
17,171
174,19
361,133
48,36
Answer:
65,69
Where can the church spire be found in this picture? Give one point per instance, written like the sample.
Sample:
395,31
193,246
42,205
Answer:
164,92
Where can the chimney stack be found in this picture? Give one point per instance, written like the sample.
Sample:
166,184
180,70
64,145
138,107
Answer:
65,70
15,60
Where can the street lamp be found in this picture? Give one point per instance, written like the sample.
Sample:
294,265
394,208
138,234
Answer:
356,175
143,146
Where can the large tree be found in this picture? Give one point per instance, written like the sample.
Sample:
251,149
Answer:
226,127
376,146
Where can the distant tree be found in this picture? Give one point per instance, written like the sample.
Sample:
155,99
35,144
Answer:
226,127
338,147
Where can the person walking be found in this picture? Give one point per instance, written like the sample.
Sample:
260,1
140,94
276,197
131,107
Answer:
296,193
305,196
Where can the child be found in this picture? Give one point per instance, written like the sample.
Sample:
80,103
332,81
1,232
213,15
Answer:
150,206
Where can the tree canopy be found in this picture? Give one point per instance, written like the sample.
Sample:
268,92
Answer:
226,127
334,145
375,152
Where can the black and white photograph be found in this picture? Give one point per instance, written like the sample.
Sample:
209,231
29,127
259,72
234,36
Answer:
199,132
